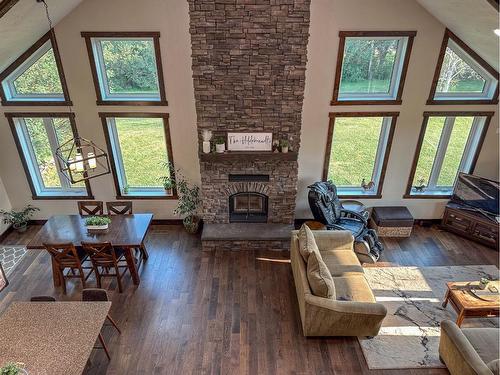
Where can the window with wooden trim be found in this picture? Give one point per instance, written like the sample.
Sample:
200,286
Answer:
141,152
36,77
357,152
449,143
371,67
126,67
37,137
462,76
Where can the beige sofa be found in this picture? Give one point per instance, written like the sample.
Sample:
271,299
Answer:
354,311
469,351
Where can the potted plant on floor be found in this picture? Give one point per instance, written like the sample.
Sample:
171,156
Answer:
13,368
97,223
168,180
187,207
19,219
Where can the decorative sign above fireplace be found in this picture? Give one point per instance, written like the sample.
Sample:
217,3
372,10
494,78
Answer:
249,141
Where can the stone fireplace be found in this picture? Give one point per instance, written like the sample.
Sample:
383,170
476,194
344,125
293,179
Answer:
249,61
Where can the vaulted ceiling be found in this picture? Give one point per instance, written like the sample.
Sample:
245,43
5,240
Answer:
25,23
473,21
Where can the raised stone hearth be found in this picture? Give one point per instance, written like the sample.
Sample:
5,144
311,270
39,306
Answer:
240,236
249,61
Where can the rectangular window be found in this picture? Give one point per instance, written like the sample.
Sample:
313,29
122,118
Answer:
36,77
126,67
357,152
462,76
449,143
37,139
141,151
372,67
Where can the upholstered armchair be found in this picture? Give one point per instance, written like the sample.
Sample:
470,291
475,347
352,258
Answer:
327,209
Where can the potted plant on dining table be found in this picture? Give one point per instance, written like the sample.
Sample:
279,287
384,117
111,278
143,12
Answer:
97,223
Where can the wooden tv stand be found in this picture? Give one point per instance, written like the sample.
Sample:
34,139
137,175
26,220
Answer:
472,225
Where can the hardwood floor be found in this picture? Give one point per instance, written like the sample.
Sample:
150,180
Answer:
224,312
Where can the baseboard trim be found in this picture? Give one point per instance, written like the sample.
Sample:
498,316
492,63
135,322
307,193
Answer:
422,222
154,222
7,231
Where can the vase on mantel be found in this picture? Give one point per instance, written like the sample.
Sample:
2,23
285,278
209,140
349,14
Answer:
206,147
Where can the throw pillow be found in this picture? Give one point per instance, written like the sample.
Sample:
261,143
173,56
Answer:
494,366
319,277
307,243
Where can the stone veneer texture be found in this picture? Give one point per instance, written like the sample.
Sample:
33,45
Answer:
249,61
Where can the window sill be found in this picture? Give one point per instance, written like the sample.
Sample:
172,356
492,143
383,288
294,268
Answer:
460,101
359,194
36,103
133,102
428,195
63,197
147,196
337,102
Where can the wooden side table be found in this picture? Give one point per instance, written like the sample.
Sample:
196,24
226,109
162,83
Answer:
461,297
315,225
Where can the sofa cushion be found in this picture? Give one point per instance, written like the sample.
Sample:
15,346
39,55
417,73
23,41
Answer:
342,262
485,341
494,366
320,279
307,243
353,288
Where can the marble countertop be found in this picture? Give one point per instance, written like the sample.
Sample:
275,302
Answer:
51,338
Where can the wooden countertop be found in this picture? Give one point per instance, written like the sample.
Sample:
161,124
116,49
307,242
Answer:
51,338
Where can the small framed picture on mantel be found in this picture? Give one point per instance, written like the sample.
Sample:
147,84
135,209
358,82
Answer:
250,142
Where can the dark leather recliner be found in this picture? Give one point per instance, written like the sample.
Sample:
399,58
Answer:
327,209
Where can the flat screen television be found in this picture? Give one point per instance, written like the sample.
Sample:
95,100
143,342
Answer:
477,193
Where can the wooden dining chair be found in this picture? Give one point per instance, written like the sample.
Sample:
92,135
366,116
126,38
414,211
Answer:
119,208
99,295
66,257
42,299
104,258
90,208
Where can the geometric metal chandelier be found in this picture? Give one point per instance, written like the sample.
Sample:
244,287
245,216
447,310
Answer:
80,159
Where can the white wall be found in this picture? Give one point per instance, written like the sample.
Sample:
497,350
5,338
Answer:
328,17
4,205
171,19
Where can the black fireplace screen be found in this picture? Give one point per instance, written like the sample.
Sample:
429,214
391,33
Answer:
248,208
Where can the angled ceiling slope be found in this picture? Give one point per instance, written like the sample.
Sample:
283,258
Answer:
473,21
25,23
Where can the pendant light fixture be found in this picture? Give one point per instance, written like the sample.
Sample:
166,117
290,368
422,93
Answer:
79,159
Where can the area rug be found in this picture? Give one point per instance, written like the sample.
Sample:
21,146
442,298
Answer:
10,257
409,337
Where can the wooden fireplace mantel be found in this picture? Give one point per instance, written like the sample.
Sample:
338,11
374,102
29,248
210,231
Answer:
248,156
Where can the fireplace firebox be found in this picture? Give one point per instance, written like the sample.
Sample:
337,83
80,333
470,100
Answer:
248,207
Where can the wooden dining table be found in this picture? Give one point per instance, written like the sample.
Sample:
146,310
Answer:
51,338
125,231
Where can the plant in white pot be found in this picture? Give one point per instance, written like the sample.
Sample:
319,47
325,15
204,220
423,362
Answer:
220,144
284,145
13,368
207,136
19,219
97,223
187,207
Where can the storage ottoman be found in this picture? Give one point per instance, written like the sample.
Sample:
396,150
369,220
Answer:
392,221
